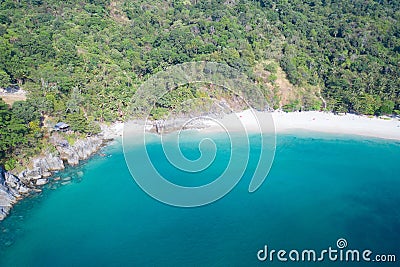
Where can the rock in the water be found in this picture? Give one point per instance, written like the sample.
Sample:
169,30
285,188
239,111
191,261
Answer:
41,181
6,200
11,189
46,174
6,197
15,183
4,212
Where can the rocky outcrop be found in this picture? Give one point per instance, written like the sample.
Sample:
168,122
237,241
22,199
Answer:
180,123
14,188
42,181
81,150
42,168
48,163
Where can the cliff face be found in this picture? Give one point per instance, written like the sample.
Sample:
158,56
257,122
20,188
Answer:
81,150
11,190
15,187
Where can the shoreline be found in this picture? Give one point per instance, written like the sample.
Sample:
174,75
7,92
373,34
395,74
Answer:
312,121
14,188
17,186
346,124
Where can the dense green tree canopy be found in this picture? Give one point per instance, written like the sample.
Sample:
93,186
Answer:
83,60
12,130
348,48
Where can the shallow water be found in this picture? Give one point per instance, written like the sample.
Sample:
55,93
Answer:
320,188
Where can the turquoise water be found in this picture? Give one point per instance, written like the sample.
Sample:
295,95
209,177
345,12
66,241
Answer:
320,188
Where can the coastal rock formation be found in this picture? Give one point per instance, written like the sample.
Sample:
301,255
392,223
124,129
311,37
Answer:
68,154
6,201
48,163
13,188
42,167
81,150
42,181
178,123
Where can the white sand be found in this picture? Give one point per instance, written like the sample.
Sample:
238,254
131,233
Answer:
339,124
112,131
324,122
316,121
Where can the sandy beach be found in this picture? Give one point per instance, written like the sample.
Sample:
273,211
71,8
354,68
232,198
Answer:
338,124
324,122
315,121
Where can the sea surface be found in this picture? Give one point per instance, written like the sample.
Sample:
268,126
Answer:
320,188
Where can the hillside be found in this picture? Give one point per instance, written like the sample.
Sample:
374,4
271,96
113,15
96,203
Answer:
81,61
